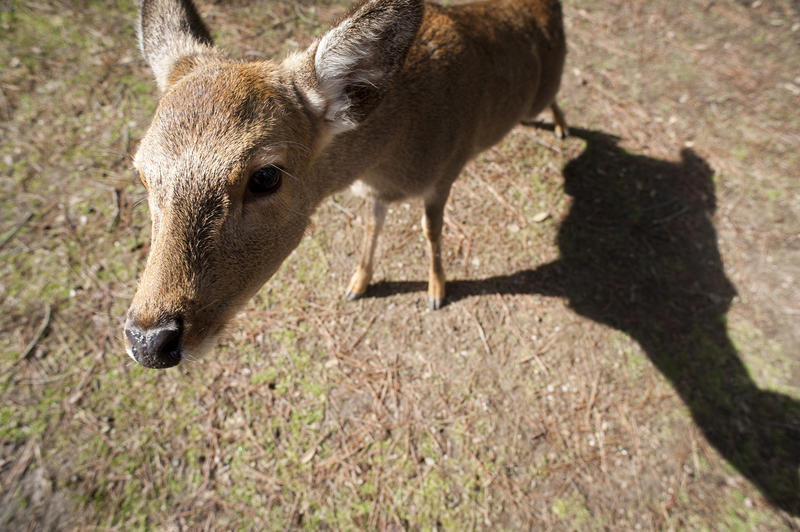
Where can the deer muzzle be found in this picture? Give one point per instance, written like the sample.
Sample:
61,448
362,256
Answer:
155,347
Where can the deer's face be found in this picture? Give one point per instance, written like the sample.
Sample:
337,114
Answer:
224,164
229,161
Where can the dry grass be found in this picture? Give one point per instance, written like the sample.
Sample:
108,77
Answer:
630,362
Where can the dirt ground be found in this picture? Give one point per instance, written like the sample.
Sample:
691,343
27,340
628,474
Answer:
629,362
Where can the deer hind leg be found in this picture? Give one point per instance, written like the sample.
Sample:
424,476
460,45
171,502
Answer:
360,280
432,221
561,129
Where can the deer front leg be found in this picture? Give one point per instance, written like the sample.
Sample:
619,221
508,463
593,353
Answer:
360,280
432,221
561,129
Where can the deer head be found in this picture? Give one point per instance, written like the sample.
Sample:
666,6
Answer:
231,161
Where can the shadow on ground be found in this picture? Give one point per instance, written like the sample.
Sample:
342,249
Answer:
639,253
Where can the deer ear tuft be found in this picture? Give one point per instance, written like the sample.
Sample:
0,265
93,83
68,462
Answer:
170,31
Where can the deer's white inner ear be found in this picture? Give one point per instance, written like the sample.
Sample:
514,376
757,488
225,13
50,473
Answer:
345,60
345,75
168,32
162,64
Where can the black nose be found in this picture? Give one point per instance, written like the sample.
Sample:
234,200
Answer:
157,347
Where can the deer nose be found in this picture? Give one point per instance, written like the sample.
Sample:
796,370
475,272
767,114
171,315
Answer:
156,347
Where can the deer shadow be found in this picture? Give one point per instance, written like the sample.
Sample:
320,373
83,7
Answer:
639,253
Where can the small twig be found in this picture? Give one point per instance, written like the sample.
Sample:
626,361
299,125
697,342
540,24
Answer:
504,202
302,16
411,234
455,226
309,455
678,213
126,139
15,230
23,461
538,360
115,218
363,334
546,145
346,211
35,341
543,350
78,393
505,490
280,23
592,398
293,513
482,334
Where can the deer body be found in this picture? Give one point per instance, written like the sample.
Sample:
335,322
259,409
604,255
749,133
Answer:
472,74
397,97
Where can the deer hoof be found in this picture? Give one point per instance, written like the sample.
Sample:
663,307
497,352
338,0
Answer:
352,296
435,303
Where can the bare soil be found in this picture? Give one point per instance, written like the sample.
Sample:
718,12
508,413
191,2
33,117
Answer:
629,361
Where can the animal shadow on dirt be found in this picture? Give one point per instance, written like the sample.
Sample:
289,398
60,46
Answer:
639,253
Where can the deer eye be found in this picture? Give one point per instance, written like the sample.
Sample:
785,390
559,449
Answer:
266,180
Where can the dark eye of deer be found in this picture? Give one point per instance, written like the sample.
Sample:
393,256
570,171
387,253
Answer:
266,180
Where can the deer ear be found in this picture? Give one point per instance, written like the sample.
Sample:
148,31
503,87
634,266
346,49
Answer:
355,62
170,31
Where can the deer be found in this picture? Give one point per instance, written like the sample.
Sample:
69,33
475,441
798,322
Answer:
392,101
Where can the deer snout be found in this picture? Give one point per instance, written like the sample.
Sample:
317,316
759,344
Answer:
156,347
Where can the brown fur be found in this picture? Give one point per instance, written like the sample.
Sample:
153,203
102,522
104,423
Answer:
368,102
